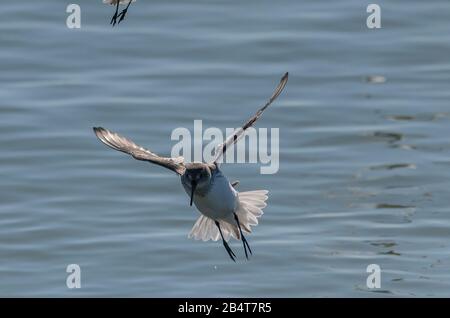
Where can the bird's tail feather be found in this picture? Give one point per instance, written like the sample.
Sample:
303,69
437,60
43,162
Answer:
205,229
249,209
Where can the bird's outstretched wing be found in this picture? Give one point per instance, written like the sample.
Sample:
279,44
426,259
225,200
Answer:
238,133
120,143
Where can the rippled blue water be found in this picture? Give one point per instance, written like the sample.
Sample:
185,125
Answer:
364,167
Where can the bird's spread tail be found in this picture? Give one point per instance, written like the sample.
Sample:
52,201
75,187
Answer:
250,208
248,211
205,229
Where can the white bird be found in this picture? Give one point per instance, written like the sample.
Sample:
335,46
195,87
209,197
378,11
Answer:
225,212
118,15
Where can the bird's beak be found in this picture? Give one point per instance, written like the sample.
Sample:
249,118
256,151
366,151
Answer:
193,186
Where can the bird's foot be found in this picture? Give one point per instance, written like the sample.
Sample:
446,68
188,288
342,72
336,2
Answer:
244,240
230,251
246,245
114,19
121,15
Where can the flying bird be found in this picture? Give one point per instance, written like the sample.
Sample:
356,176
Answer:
118,15
225,212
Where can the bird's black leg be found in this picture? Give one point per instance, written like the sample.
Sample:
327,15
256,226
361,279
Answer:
114,18
244,240
124,12
225,244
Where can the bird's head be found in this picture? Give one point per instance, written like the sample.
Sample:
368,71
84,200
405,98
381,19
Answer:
196,177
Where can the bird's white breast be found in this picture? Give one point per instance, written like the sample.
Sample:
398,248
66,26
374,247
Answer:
220,201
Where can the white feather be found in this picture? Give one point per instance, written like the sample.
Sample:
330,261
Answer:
250,205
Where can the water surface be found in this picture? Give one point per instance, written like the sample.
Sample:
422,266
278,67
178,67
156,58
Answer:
364,166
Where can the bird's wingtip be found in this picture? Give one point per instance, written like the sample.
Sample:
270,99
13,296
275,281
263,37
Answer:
98,131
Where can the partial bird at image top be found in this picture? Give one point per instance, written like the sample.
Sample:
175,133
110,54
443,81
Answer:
119,17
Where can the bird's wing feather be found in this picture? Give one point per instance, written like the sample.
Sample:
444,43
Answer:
122,144
238,133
